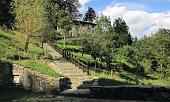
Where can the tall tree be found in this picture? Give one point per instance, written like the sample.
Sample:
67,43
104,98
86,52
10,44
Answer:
123,35
6,17
70,6
60,12
64,21
90,15
31,18
97,41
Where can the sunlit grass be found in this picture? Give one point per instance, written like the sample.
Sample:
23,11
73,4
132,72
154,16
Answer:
38,66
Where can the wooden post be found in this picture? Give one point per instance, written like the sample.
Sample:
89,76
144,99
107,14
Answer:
63,53
111,73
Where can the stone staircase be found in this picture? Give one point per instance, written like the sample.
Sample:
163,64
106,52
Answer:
76,75
68,69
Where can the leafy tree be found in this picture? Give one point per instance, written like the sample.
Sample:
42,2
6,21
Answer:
70,6
103,24
31,17
64,21
153,52
97,42
6,17
122,36
59,18
90,15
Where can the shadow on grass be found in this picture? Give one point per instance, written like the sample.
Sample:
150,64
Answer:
19,95
5,37
130,79
111,82
137,71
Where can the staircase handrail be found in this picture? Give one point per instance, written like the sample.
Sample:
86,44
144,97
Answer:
72,58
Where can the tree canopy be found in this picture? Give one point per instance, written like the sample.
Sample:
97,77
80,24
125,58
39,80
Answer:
6,17
30,17
90,15
70,6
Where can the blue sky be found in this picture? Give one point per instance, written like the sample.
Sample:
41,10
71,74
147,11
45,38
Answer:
143,17
151,5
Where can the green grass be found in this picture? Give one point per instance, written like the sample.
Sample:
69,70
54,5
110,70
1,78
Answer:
130,78
12,44
75,47
86,57
69,41
38,66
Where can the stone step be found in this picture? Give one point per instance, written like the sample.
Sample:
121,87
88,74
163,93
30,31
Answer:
70,71
72,75
61,64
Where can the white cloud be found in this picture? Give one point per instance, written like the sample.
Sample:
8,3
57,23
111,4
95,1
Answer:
140,22
83,2
83,7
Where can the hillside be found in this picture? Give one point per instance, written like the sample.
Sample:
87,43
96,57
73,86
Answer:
12,49
124,74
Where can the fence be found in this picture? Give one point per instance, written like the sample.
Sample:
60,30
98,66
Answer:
77,61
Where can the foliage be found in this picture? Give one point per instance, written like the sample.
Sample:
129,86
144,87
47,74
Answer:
122,36
64,21
97,41
6,18
69,6
11,47
90,15
156,49
30,18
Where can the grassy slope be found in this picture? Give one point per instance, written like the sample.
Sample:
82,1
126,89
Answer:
12,44
38,66
123,76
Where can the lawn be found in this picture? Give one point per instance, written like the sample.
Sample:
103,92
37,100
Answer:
38,66
12,45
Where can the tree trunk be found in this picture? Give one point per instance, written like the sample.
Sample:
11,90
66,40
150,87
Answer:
26,44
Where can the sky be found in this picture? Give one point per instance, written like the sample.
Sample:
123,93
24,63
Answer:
144,17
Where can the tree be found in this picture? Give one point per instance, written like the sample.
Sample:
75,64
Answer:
6,17
123,36
64,20
90,15
70,6
31,18
60,18
153,52
97,41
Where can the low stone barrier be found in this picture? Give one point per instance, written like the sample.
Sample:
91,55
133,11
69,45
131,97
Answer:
31,80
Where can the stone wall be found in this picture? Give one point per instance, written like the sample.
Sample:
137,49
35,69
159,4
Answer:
31,80
6,77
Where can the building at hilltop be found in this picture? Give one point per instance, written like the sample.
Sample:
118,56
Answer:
83,25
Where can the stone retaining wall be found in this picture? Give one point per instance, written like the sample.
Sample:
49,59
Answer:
31,80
